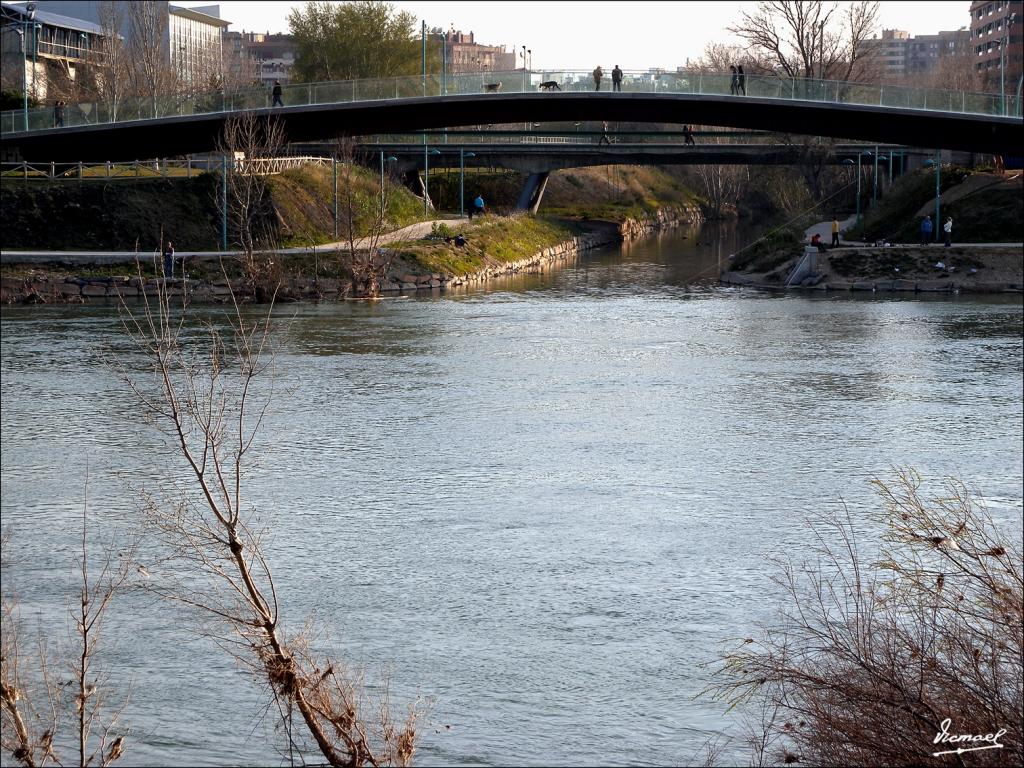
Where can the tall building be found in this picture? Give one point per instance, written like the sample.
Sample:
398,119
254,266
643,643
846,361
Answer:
190,38
902,58
997,42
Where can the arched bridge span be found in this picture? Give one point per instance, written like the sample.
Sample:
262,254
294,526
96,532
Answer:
178,135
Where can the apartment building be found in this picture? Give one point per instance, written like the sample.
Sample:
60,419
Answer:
996,40
900,57
467,55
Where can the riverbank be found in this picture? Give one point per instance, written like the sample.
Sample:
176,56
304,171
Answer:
972,268
422,257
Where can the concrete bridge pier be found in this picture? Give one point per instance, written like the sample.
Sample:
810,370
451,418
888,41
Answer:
533,191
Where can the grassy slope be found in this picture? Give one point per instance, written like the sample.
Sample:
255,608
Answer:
68,215
990,215
490,241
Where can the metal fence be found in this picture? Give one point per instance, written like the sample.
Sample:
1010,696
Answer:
348,91
157,168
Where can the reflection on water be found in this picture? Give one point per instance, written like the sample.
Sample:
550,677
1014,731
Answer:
542,504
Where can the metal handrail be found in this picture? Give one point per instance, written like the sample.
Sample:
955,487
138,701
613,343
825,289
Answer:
513,81
153,168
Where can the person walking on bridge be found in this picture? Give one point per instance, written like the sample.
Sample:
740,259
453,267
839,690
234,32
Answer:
734,83
741,80
277,94
598,74
617,79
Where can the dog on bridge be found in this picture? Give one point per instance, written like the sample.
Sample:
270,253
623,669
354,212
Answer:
549,85
492,87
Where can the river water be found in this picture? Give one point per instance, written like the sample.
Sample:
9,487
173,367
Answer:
542,505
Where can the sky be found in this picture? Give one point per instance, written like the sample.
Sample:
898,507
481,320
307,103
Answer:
581,35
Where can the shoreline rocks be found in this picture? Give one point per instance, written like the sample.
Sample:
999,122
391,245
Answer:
77,290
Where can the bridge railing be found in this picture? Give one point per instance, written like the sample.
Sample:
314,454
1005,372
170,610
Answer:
519,81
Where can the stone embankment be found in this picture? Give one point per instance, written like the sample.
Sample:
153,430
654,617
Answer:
41,288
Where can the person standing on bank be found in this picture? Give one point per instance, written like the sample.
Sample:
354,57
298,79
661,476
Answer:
617,79
948,229
926,230
169,260
277,94
598,74
741,80
835,232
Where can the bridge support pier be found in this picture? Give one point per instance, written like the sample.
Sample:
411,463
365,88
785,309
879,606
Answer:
533,191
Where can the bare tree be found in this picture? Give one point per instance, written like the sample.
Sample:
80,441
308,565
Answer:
210,398
33,698
810,38
247,140
110,62
873,661
362,220
151,72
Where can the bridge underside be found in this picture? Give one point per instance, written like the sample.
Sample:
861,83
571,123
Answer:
541,158
198,133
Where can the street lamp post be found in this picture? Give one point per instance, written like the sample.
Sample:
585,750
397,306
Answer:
875,177
29,15
859,156
1002,57
423,55
937,163
462,180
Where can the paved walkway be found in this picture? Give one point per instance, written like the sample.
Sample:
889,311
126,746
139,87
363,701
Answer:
412,232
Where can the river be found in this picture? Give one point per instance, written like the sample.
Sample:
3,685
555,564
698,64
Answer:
541,505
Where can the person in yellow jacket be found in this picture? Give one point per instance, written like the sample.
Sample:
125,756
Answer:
835,232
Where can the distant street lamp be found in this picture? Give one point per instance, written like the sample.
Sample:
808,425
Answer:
937,164
29,15
1002,57
875,176
865,152
462,180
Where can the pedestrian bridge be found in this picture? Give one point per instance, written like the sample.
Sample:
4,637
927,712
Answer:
937,119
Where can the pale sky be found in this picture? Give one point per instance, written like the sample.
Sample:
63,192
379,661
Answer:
581,35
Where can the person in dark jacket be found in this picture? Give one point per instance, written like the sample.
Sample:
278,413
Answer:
741,80
277,94
734,83
616,78
169,260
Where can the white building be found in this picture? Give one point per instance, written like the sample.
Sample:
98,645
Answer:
191,37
